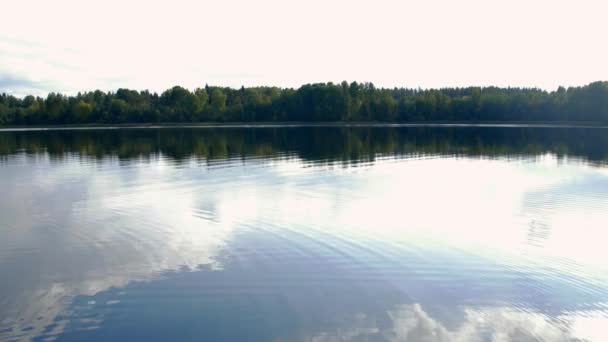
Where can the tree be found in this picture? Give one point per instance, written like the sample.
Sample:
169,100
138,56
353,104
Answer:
4,110
217,103
82,111
312,102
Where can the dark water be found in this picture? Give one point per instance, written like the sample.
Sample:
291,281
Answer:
304,234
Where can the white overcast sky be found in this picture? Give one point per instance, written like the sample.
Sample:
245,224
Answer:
68,46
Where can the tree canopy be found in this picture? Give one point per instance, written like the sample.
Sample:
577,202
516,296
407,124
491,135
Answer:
320,102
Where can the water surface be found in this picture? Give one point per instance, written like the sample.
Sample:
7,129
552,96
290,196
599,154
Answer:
305,234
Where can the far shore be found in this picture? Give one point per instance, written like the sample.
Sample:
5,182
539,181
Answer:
555,124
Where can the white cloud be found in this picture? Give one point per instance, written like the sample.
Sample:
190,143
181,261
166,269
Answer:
84,45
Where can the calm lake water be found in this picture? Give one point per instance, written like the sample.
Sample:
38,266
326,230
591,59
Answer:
304,234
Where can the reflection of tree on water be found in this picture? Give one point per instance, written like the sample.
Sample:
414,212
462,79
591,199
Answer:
329,144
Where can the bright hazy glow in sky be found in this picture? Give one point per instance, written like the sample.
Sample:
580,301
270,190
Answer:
68,46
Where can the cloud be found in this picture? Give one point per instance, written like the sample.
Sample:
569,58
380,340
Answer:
20,86
155,45
29,68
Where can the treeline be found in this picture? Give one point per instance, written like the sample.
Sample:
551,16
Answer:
311,103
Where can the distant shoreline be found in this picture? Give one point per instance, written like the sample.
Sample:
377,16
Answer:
505,124
329,103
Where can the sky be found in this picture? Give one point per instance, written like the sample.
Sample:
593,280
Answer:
69,46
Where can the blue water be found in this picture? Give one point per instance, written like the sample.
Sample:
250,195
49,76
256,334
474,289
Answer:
304,234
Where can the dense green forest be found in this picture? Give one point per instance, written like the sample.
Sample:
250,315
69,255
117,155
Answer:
320,102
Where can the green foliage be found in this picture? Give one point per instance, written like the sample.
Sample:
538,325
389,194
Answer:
217,104
320,102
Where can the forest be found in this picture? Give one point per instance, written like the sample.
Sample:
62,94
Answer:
320,102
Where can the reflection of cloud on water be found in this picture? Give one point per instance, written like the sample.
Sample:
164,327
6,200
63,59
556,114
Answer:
579,201
101,231
88,228
411,323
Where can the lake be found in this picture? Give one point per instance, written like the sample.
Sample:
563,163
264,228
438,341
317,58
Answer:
304,234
